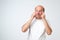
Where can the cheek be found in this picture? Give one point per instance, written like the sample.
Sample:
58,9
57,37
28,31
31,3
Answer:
36,13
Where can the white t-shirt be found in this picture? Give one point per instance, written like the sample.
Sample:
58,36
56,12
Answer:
37,30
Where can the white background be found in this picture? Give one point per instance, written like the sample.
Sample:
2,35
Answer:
14,13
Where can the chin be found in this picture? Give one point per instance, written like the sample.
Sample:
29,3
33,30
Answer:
38,18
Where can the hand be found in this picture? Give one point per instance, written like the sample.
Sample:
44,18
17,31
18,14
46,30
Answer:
33,15
43,16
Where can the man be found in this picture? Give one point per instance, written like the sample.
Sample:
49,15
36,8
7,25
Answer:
36,31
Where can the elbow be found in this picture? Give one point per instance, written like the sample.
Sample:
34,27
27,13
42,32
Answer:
49,33
23,30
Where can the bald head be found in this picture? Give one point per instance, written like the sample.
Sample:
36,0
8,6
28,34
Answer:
40,7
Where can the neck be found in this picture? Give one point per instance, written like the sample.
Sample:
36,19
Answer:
38,18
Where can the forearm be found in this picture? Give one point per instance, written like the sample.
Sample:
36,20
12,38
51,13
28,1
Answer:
47,27
27,24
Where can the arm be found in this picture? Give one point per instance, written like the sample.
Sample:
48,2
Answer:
27,24
47,27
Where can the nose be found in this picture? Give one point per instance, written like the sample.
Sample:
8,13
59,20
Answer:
38,13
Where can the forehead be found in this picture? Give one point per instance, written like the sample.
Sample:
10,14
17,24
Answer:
39,7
